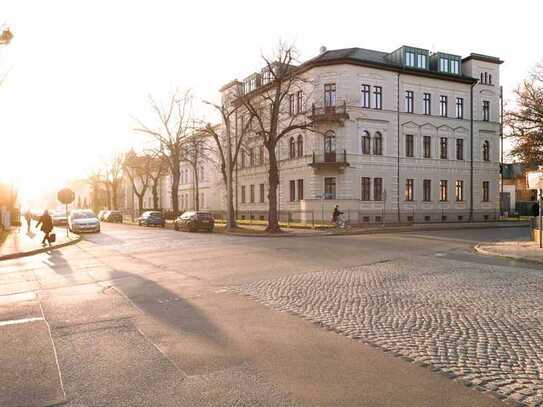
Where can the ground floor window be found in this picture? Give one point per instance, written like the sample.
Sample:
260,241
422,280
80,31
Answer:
409,189
486,191
252,193
300,190
378,189
292,185
365,186
427,190
443,190
459,191
330,188
243,194
261,192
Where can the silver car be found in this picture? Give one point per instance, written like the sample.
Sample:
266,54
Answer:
83,220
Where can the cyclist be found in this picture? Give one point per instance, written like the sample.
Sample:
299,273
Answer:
337,218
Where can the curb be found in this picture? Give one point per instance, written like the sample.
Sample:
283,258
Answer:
484,252
379,231
40,250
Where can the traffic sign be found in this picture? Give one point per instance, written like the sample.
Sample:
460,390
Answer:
66,196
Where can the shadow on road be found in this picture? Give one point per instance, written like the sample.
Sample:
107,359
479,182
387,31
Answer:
168,307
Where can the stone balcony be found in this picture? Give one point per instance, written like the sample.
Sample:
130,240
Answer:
329,114
335,161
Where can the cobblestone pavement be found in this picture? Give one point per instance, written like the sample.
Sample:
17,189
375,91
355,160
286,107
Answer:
476,323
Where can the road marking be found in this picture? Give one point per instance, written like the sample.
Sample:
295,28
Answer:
20,321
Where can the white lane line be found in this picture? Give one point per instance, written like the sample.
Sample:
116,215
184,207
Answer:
20,321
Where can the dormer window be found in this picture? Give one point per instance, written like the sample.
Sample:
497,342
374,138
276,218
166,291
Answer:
443,64
421,61
455,67
410,59
266,76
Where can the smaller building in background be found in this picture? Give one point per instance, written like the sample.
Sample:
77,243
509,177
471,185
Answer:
517,198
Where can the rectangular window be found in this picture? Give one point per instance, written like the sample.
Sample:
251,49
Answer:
459,191
329,188
427,141
292,191
427,104
409,187
409,101
459,149
300,102
378,189
486,110
427,190
252,157
291,105
409,58
443,106
366,185
443,147
242,160
421,61
409,145
329,94
261,192
243,194
455,67
378,97
459,108
365,102
443,190
300,190
252,193
486,191
444,65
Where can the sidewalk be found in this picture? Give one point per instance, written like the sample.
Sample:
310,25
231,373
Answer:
21,242
522,250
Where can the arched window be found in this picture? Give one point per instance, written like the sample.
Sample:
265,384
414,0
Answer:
291,148
366,143
330,146
378,144
489,79
481,77
486,151
261,155
486,77
300,146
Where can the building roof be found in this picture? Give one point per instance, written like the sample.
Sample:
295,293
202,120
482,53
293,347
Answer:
482,57
378,59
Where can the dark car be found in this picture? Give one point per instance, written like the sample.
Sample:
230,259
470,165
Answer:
114,216
195,220
151,218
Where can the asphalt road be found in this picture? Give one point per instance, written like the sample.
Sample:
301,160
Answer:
151,317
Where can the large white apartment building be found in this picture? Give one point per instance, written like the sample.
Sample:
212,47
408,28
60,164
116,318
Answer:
407,135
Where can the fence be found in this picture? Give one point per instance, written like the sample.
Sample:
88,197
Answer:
314,218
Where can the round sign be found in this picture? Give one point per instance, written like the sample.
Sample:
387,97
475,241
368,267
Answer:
66,196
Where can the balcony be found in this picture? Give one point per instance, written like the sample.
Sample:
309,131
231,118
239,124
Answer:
334,161
329,114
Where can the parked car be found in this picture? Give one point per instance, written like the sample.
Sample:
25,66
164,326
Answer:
113,216
59,218
83,220
152,218
195,220
101,214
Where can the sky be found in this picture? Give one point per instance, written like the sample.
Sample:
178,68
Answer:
77,73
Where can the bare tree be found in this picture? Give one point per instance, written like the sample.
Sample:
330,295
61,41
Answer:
274,117
175,124
524,120
96,182
229,142
196,152
138,170
157,169
112,179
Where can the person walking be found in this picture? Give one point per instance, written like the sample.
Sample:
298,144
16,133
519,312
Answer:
46,223
28,218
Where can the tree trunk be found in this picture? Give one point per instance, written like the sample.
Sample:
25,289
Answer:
273,180
140,204
175,192
155,196
196,187
114,192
